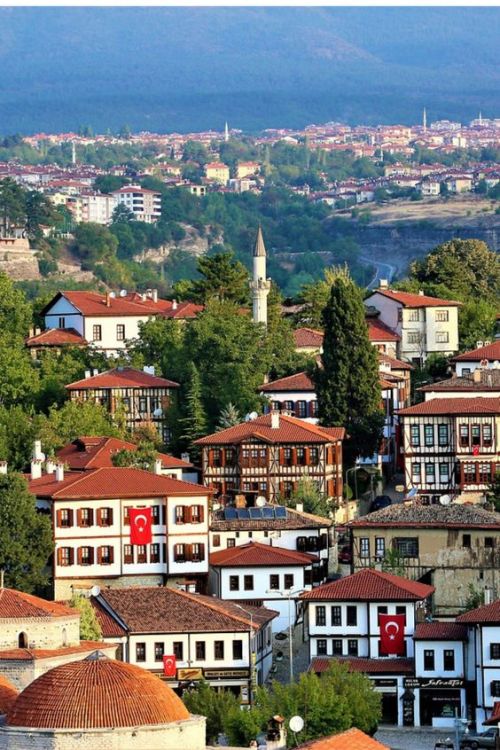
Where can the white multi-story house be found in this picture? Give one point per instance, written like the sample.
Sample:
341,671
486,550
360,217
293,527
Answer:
144,204
342,622
425,325
227,645
486,355
262,575
91,526
96,207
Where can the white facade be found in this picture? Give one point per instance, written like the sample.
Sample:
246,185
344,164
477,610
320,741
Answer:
440,667
484,667
144,204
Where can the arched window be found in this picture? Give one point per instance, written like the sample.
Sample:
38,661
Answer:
23,640
64,637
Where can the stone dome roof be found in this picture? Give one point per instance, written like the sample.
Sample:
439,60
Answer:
96,693
8,695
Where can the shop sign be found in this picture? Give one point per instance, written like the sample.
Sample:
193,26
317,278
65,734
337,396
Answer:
385,683
187,674
433,682
215,674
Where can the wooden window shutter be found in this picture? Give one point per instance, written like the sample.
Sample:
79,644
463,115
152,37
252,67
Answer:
58,520
111,555
71,555
99,555
307,453
59,554
188,551
91,517
202,552
70,517
79,517
79,555
110,516
201,513
91,555
99,516
282,456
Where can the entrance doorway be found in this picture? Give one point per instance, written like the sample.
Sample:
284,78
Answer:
389,708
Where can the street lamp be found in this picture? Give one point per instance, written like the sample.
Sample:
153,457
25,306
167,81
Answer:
289,595
251,650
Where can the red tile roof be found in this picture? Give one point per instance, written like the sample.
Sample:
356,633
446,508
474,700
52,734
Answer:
113,483
17,604
485,615
395,364
352,739
8,695
32,654
407,299
122,377
378,331
110,627
183,310
57,337
308,338
409,515
368,666
86,453
298,382
255,553
148,609
98,305
290,430
370,585
451,406
487,380
96,693
490,352
440,631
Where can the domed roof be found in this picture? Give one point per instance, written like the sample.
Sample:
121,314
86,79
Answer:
96,693
8,695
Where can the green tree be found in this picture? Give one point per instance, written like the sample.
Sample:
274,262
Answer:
12,207
308,495
493,493
194,151
122,214
94,243
229,417
74,419
106,183
142,457
18,377
476,322
90,629
194,422
214,705
316,295
222,278
347,381
18,430
25,535
15,311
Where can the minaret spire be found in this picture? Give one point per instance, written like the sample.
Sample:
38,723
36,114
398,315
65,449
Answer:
226,132
260,285
424,120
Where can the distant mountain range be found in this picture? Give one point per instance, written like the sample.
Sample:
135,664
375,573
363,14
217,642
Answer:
184,69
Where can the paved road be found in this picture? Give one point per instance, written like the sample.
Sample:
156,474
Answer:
382,271
411,739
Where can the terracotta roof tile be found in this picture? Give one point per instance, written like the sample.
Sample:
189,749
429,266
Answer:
368,666
488,613
298,382
409,515
395,364
370,585
57,337
96,693
256,554
122,377
352,739
290,430
490,352
17,604
445,406
8,695
86,453
440,631
378,331
407,299
183,310
95,304
110,627
147,609
489,380
308,338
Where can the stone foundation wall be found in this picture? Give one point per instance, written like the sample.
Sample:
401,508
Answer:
41,632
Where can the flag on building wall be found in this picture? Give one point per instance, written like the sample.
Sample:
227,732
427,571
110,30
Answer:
392,635
169,666
140,526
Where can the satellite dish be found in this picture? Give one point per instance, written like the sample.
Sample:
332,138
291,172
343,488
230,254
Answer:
253,415
445,499
296,724
123,293
260,501
95,591
112,295
157,412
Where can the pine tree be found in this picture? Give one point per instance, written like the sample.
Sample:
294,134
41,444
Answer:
347,381
229,417
194,422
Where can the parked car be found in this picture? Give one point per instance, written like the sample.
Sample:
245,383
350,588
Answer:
479,740
381,501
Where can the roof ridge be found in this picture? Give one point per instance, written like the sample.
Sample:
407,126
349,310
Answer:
212,605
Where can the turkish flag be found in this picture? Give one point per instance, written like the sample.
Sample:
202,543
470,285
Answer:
169,666
392,635
140,526
475,450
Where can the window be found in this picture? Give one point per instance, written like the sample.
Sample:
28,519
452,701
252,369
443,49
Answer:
428,660
159,651
200,650
466,540
65,556
217,457
287,456
381,610
61,322
230,542
495,651
442,337
476,434
314,456
443,473
85,517
178,649
237,650
105,555
487,436
352,647
180,513
443,434
430,473
484,473
274,581
470,473
364,547
105,517
288,581
216,540
143,404
448,660
140,652
488,542
234,583
464,435
336,613
288,406
96,333
495,688
321,648
414,315
154,554
320,616
229,456
128,554
64,518
442,316
416,472
248,583
401,610
314,408
352,616
406,546
301,456
337,647
120,332
379,547
414,337
196,513
142,555
415,435
85,555
155,515
218,650
301,409
428,435
197,553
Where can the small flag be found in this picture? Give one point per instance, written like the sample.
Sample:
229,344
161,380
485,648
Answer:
169,666
140,526
475,450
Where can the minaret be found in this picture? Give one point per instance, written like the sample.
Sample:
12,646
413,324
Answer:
259,285
226,132
73,153
424,120
480,118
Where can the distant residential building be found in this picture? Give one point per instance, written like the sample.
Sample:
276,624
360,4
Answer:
53,339
144,204
459,183
429,187
97,207
211,639
217,171
425,325
143,396
270,454
308,340
483,382
486,355
383,338
294,395
246,168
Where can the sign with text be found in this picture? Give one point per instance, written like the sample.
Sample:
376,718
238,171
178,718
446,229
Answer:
187,674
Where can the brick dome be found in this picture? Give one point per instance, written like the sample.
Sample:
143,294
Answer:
8,695
96,693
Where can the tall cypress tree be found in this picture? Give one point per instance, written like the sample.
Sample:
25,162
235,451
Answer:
194,421
347,380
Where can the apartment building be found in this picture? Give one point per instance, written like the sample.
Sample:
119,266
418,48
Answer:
217,171
144,204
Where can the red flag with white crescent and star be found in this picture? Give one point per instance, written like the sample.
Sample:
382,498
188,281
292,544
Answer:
392,635
169,665
140,526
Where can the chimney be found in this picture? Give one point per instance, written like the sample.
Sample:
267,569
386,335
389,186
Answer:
185,457
38,330
36,468
476,375
174,304
421,292
108,299
300,507
50,466
149,369
155,295
275,420
87,374
158,466
3,467
95,371
37,450
59,472
487,595
384,284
